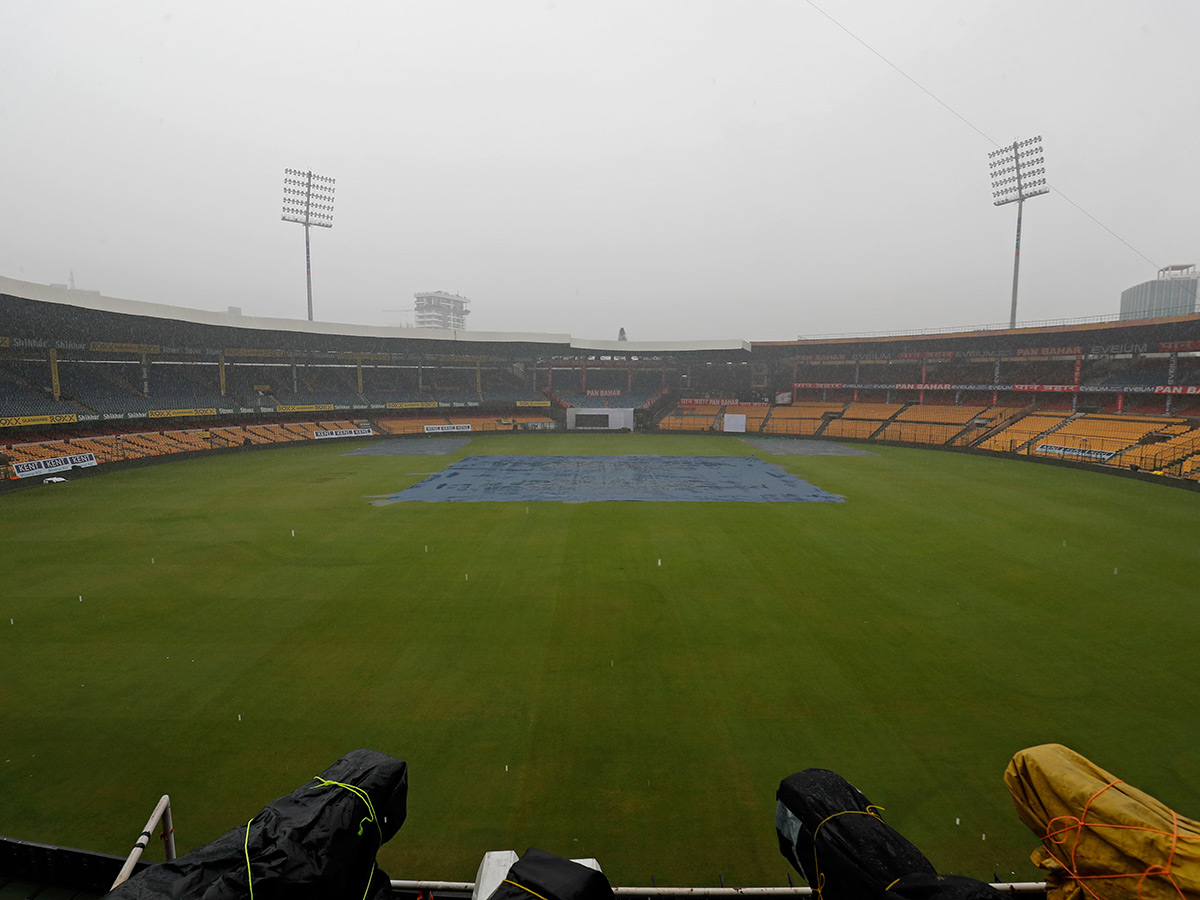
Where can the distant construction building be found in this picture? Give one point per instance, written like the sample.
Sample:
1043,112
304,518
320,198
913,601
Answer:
1173,293
439,309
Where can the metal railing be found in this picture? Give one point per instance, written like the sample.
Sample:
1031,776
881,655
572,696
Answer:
1013,887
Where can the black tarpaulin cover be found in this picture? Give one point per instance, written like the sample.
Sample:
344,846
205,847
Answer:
319,841
834,837
539,874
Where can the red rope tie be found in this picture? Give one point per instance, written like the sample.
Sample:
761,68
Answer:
1060,829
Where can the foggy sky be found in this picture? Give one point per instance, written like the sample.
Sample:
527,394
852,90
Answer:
684,169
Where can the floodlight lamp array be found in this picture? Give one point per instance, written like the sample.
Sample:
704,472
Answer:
1018,171
308,198
1027,143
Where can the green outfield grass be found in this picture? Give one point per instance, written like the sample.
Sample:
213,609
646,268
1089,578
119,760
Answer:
955,610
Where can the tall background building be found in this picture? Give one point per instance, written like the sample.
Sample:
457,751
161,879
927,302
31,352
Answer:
439,309
1173,293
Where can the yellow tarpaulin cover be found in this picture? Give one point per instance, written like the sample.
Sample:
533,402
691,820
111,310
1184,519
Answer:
1101,838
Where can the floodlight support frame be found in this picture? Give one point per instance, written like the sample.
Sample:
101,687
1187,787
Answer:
1013,154
324,218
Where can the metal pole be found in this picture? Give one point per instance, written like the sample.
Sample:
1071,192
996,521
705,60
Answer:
161,812
168,832
308,271
1012,317
307,254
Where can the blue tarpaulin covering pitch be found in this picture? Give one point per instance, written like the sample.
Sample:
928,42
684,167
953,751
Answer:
581,479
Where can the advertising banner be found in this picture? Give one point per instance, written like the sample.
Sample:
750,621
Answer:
15,421
343,433
1076,452
50,466
1117,389
252,352
306,407
172,413
418,404
1168,347
434,429
1049,351
109,347
604,393
537,403
708,401
928,354
1025,388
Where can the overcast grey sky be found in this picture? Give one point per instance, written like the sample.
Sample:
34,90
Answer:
682,168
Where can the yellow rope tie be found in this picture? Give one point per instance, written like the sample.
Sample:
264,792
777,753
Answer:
522,887
371,817
361,795
246,850
820,879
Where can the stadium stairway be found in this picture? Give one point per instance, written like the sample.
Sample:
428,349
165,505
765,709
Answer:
878,432
661,408
1004,423
1049,431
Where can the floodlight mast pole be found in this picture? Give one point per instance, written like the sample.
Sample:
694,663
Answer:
308,249
307,200
1012,315
1015,178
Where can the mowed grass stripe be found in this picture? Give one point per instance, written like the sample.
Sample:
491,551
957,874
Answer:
912,638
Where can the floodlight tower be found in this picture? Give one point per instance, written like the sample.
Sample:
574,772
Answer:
308,200
1018,173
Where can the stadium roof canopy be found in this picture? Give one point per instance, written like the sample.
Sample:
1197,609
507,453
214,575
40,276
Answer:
1109,338
35,316
36,312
